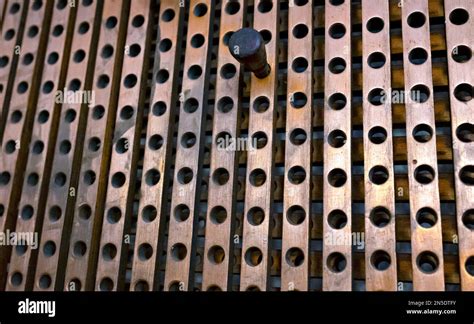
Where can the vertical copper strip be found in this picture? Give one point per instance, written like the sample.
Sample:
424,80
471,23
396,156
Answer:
460,43
337,259
113,248
160,128
23,261
14,151
297,185
380,247
88,209
218,251
255,268
184,203
11,37
68,146
426,242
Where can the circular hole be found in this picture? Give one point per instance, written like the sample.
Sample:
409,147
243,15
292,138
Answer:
416,19
10,147
60,179
378,175
257,177
337,31
138,21
468,219
337,178
145,252
4,61
98,112
298,136
197,40
70,115
55,213
461,54
58,30
79,249
165,45
424,174
155,142
426,217
142,285
470,265
185,175
253,256
22,87
126,112
94,144
216,254
43,116
336,2
4,178
79,56
463,92
337,138
174,286
427,262
113,215
37,4
118,180
103,81
21,249
337,101
467,175
336,262
16,116
152,177
168,15
380,216
107,51
83,28
376,60
121,146
228,71
85,212
261,104
15,8
75,85
45,281
218,215
296,175
191,105
221,176
149,214
194,72
179,251
418,56
232,7
465,133
298,100
380,260
300,64
28,59
255,216
337,219
259,140
214,288
159,109
377,135
266,35
200,10
225,104
109,251
376,96
111,22
295,215
9,34
459,16
27,212
337,65
49,248
65,147
300,31
227,37
294,257
131,80
420,93
422,133
188,140
16,279
106,284
162,76
375,25
181,213
265,6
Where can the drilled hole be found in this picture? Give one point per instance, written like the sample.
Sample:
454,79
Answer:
162,76
257,177
298,100
232,7
259,140
337,178
294,257
200,10
459,16
145,252
126,112
376,96
179,251
152,177
336,262
300,64
138,21
422,133
337,219
424,174
253,256
266,35
376,60
296,175
197,40
130,81
467,175
261,104
375,25
218,215
380,260
118,180
255,216
468,219
113,215
216,254
49,248
149,213
377,135
85,212
265,6
465,133
337,31
418,56
155,142
79,249
298,136
32,179
55,213
60,179
337,65
426,217
185,175
191,105
165,45
225,104
380,216
228,71
142,285
168,15
194,72
109,251
106,284
427,262
188,140
221,176
337,101
463,92
300,31
461,54
416,19
337,138
378,175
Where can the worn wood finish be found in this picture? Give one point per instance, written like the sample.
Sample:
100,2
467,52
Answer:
67,148
427,249
89,205
460,40
218,250
121,185
380,254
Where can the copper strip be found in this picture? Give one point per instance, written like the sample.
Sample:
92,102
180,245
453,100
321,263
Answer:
160,129
460,43
68,147
337,183
101,114
187,179
297,183
14,151
380,240
113,248
259,180
426,244
218,249
36,182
